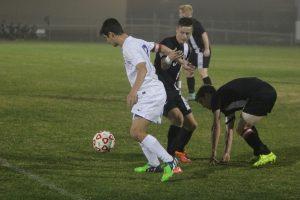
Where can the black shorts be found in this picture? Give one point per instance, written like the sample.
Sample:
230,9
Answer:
199,61
175,100
262,102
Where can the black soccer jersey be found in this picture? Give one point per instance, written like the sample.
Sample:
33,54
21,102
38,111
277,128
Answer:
196,39
235,94
170,76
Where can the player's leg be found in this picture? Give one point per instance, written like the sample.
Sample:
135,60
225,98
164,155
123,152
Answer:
185,135
190,80
138,132
204,71
176,118
204,75
249,132
189,125
153,164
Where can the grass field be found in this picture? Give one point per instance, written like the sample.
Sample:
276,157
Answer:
55,96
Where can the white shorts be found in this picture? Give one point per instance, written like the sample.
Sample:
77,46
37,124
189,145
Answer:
150,104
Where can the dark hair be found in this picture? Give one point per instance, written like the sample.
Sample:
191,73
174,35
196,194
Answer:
204,89
185,21
111,25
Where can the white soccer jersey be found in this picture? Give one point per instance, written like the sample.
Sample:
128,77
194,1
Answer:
136,51
151,94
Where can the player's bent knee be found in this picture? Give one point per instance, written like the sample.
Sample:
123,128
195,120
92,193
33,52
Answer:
135,133
176,119
193,126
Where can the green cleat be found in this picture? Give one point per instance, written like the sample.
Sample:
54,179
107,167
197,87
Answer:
264,159
148,168
168,170
168,173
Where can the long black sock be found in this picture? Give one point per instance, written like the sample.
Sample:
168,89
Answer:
207,80
253,140
191,84
183,139
172,135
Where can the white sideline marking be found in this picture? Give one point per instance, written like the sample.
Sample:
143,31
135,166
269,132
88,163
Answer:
43,182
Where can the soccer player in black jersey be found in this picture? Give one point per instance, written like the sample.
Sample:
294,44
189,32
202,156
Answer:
176,109
255,98
201,53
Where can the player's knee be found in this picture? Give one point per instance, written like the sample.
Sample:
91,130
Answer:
193,126
177,120
135,133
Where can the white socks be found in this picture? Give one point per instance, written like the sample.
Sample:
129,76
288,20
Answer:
151,157
152,145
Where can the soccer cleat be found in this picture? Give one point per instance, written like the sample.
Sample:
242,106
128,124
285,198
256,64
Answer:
168,170
182,156
264,159
148,168
191,96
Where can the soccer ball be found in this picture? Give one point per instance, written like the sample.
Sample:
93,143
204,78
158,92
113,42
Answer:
103,141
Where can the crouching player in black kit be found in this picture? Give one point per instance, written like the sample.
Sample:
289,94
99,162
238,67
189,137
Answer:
255,98
176,109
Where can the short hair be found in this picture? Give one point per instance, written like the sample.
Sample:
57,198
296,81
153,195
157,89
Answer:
205,89
185,21
186,8
111,25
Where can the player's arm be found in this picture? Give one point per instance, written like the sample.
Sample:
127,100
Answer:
228,138
166,61
171,55
141,73
215,135
206,44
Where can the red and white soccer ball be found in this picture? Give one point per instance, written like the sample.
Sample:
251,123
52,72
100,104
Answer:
104,141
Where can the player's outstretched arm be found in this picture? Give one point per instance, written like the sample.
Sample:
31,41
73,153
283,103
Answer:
215,135
228,141
172,55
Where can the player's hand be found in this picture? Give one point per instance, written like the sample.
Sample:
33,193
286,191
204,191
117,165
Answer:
131,98
175,54
188,66
213,161
226,158
206,52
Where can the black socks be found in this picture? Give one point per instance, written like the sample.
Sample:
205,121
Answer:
191,84
183,138
172,135
177,139
253,140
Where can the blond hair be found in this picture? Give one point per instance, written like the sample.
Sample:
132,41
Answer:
186,8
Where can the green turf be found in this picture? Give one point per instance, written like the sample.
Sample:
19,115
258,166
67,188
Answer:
55,96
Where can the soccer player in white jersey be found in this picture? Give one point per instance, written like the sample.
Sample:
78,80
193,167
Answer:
147,95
